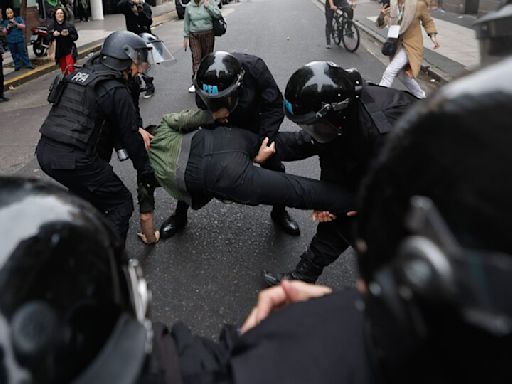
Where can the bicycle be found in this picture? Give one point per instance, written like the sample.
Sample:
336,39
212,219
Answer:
345,31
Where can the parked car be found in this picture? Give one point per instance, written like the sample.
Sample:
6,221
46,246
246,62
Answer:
180,6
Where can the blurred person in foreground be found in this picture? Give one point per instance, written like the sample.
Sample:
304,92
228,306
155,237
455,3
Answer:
433,304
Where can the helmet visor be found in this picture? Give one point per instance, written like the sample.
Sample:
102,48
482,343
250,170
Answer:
322,131
160,54
141,57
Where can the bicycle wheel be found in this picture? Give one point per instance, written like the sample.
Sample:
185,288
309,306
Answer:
336,30
350,35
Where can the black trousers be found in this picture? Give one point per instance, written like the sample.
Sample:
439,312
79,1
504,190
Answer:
329,15
221,166
331,238
148,82
1,76
90,178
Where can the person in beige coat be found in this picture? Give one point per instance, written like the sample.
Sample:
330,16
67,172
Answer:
406,62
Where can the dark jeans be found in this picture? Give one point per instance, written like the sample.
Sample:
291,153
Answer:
90,178
1,77
329,15
148,83
19,55
331,238
222,167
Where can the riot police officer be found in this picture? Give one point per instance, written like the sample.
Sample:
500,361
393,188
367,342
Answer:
84,103
344,122
241,88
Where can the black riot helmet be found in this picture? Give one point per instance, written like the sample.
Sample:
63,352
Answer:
494,32
318,96
433,237
72,307
218,80
122,48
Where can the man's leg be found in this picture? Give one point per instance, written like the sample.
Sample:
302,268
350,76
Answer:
231,176
95,182
395,66
149,86
279,214
329,15
13,48
330,241
176,222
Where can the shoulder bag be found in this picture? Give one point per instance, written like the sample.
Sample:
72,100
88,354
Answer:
219,26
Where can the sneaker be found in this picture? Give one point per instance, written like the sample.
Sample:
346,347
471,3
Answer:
149,93
192,89
328,46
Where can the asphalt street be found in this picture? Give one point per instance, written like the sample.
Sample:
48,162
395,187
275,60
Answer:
210,274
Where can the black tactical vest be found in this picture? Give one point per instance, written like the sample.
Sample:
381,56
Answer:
75,119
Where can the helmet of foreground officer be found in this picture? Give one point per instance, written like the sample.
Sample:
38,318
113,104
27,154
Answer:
122,49
494,32
433,237
72,307
319,96
218,80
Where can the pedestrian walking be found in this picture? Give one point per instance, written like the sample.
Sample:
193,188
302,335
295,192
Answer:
63,34
83,10
198,31
13,26
407,14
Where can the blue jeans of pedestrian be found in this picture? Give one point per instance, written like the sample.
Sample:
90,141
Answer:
19,55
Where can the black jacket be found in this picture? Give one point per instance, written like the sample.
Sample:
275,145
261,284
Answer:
65,44
136,23
320,341
346,159
260,102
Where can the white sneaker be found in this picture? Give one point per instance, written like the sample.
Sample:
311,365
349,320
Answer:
192,89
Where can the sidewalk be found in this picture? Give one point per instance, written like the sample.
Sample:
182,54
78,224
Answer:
90,38
458,52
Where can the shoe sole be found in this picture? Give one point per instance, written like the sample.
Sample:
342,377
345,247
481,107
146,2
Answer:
149,96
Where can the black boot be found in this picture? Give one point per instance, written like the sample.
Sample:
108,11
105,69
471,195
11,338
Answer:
305,271
176,222
284,221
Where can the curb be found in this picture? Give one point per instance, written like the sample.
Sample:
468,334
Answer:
94,46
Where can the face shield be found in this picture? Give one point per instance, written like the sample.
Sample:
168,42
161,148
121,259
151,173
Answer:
160,54
316,123
215,100
322,131
143,58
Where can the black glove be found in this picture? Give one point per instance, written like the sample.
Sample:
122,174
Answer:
146,185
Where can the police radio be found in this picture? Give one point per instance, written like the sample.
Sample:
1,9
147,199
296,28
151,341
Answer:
56,89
